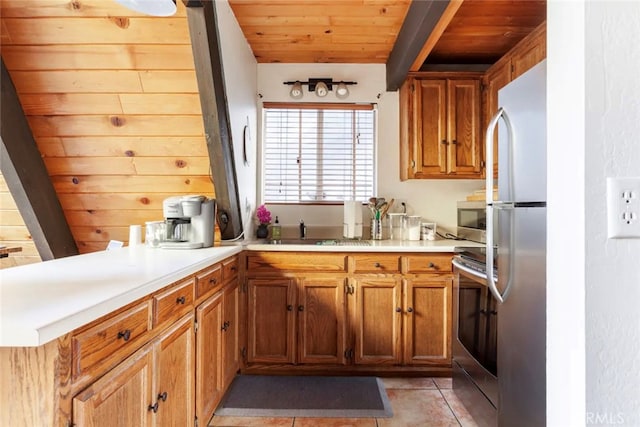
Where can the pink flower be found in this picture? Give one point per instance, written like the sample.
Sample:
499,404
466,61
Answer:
263,214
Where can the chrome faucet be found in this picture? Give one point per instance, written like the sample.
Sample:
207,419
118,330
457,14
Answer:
303,230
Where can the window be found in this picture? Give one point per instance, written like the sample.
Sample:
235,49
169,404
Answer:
318,153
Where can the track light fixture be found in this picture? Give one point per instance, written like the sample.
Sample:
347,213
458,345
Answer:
321,87
151,7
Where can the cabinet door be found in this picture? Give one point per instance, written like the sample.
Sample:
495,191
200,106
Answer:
378,320
321,321
495,80
530,51
271,328
230,336
121,398
429,127
175,369
208,357
427,321
463,130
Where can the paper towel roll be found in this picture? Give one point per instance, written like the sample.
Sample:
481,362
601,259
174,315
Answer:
352,224
135,235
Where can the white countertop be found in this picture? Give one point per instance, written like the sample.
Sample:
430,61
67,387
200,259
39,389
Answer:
440,245
41,302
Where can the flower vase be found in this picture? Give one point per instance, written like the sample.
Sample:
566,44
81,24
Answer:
262,232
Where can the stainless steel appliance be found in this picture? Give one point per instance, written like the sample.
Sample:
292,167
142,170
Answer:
475,345
520,288
472,220
189,222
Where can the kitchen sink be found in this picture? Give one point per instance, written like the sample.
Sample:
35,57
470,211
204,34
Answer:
325,242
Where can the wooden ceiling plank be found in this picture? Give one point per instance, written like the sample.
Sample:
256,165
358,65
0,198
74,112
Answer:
26,176
435,35
98,57
62,8
93,30
49,104
129,145
124,125
116,201
137,184
421,19
72,81
343,9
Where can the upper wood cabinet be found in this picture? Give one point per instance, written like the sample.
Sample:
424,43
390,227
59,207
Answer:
531,50
440,126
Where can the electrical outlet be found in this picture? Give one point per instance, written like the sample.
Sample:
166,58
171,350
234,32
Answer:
623,208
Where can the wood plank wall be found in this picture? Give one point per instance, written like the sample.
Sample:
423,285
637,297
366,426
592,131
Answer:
112,100
14,232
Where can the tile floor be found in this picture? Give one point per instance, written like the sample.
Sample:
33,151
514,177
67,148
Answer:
416,402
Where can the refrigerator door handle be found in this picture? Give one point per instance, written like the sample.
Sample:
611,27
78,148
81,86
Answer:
502,113
491,282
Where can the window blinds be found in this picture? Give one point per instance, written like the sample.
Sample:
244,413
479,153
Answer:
318,154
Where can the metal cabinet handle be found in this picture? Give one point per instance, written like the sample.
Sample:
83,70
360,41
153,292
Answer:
454,142
410,310
377,265
225,326
181,300
233,268
431,265
163,396
125,335
213,280
301,308
444,141
289,307
153,407
398,310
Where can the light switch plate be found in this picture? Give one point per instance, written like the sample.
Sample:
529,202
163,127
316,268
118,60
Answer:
623,208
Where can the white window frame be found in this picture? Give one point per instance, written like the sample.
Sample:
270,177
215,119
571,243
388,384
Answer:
323,107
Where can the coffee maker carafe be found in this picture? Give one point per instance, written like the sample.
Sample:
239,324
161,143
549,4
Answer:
189,222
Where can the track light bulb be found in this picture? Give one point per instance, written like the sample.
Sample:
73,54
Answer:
342,91
321,89
296,91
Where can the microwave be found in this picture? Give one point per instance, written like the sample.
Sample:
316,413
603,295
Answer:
472,221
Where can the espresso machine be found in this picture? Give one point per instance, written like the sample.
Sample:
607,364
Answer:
189,222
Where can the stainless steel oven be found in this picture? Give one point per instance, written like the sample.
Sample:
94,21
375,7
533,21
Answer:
475,312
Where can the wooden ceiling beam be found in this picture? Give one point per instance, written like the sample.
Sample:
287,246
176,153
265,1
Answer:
436,33
423,17
207,55
28,180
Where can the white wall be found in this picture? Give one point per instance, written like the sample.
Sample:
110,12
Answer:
240,74
566,214
612,266
594,282
432,199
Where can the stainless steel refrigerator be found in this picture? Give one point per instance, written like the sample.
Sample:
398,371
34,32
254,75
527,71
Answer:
521,247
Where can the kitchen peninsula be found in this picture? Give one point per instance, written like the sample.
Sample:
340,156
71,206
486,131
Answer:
137,321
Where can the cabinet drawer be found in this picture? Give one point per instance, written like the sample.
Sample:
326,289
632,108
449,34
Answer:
376,263
174,302
229,268
435,263
283,261
208,280
119,335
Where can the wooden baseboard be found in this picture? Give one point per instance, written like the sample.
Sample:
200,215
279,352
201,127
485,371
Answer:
380,371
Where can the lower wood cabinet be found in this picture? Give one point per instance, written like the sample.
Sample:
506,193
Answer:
153,387
383,310
426,320
296,320
217,348
378,320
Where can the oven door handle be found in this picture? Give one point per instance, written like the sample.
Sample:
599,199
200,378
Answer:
468,270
